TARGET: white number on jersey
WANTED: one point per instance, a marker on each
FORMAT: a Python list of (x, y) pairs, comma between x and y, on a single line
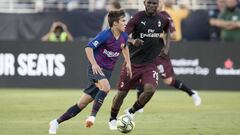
[(155, 75)]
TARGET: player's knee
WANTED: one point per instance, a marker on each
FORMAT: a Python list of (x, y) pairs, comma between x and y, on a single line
[(121, 94), (149, 88), (168, 81), (82, 105), (106, 87)]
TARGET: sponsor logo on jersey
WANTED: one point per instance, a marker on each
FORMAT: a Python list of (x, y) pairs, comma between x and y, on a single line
[(143, 22), (95, 43), (110, 53), (151, 34)]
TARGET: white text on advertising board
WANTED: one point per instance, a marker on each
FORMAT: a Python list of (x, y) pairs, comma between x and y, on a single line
[(32, 64), (189, 67)]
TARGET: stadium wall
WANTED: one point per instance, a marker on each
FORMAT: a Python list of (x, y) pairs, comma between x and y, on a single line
[(84, 24), (33, 64)]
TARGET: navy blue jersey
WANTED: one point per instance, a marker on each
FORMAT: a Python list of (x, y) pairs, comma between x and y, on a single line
[(107, 48)]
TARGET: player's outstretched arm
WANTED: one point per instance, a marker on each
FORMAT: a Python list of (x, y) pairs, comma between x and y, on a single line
[(166, 48)]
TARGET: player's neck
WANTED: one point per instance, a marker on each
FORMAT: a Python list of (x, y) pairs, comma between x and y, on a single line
[(116, 32), (153, 14)]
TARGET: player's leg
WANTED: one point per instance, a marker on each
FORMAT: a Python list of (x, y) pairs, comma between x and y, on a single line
[(140, 89), (70, 113), (143, 99), (171, 81), (116, 105), (166, 71), (124, 84), (104, 88), (75, 109), (150, 81)]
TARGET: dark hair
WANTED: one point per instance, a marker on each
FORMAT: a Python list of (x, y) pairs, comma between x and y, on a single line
[(114, 16)]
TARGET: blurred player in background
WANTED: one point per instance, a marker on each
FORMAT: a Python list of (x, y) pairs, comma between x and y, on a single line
[(145, 45), (177, 15), (102, 53), (165, 67)]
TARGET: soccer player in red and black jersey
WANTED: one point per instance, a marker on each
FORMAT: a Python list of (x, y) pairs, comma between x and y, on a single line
[(145, 45), (165, 68)]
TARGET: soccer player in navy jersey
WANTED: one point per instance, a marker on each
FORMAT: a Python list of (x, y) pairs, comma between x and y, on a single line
[(145, 45), (102, 53)]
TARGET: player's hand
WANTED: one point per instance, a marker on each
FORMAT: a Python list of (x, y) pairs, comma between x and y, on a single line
[(96, 69), (129, 69), (138, 42)]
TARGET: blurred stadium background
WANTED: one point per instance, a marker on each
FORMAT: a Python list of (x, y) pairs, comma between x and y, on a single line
[(39, 80)]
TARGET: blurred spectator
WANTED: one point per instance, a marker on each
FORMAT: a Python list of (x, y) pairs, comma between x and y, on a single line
[(113, 4), (73, 5), (96, 4), (58, 33), (229, 22), (61, 6), (214, 31), (177, 14)]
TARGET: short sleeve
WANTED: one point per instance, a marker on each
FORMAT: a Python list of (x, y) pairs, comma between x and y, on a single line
[(168, 25), (125, 36), (99, 39), (169, 18), (132, 23)]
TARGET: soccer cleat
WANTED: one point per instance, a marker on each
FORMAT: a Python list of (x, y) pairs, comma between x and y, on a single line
[(140, 110), (131, 115), (196, 98), (112, 124), (53, 125), (89, 121)]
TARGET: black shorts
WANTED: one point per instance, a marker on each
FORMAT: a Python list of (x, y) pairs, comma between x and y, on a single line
[(92, 90)]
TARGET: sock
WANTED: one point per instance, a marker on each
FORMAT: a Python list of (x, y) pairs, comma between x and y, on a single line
[(137, 105), (98, 102), (179, 85), (71, 112), (114, 113)]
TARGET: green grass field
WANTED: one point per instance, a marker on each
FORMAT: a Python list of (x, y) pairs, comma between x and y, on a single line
[(28, 112)]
